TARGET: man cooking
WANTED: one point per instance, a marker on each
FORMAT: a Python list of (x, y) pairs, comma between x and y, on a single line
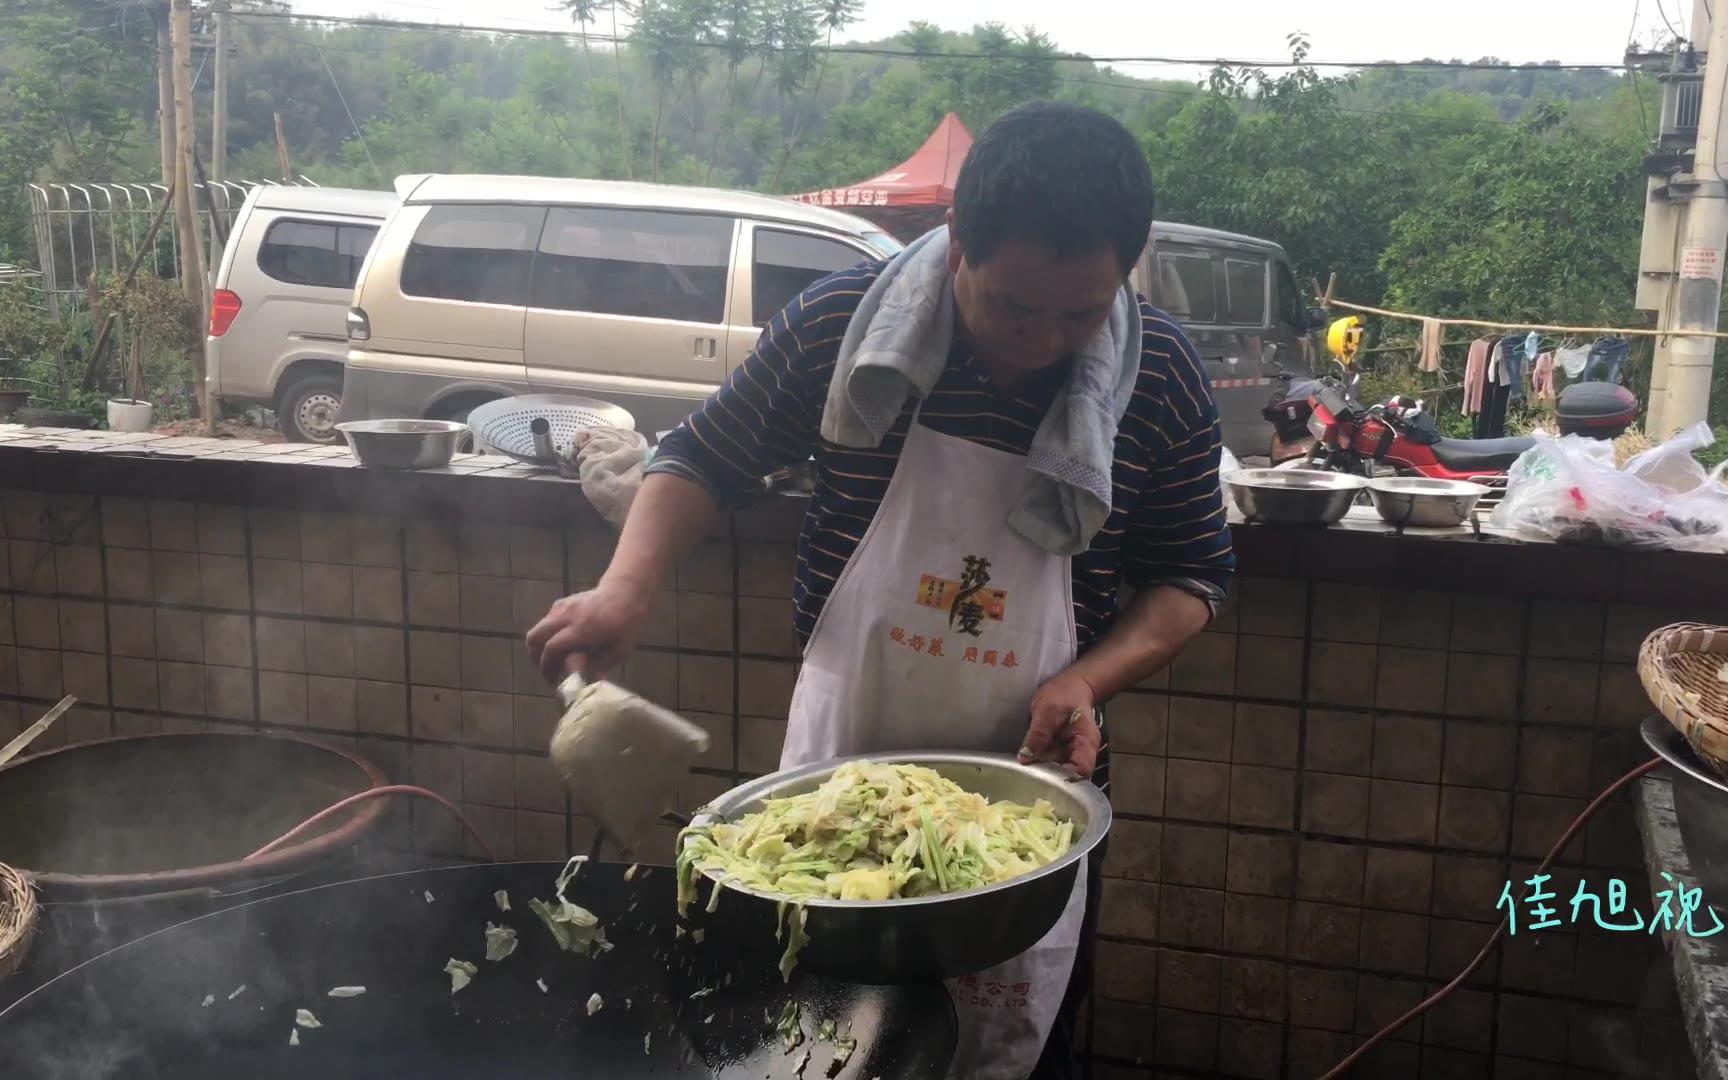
[(1003, 436)]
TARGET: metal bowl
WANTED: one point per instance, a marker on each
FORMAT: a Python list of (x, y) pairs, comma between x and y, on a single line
[(403, 444), (925, 937), (1293, 496), (1424, 502)]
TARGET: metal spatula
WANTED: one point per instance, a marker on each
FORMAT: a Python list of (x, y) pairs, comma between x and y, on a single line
[(622, 756)]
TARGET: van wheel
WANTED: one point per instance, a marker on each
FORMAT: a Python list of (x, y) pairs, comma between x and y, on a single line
[(307, 409)]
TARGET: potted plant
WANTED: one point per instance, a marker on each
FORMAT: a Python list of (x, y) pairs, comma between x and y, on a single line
[(132, 413), (25, 333)]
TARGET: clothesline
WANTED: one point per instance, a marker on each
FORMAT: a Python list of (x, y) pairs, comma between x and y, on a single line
[(1618, 331)]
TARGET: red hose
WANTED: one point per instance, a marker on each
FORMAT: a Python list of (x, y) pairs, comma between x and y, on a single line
[(373, 793), (1493, 939)]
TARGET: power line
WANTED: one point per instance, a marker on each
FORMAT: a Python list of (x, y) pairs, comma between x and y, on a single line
[(364, 22)]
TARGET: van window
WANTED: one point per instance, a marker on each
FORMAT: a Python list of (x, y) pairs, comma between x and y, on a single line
[(476, 253), (320, 253), (1288, 297), (1245, 292), (787, 262), (643, 263), (1185, 286)]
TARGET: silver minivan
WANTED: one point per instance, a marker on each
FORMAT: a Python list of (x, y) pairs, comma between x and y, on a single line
[(642, 295), (278, 334)]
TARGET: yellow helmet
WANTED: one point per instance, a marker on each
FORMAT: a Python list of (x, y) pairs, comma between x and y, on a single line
[(1344, 337)]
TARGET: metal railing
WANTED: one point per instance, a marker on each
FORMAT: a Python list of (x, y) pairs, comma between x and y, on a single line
[(83, 228)]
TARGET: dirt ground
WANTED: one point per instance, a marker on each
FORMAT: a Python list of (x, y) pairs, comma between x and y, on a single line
[(236, 428)]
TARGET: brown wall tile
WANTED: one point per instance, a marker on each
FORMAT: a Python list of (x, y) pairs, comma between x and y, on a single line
[(435, 712), (276, 586), (759, 742), (376, 540), (703, 681), (1200, 728), (1538, 821), (434, 658), (1262, 797), (125, 522), (221, 529), (1402, 812), (1186, 1040), (1397, 880), (378, 593), (536, 552), (1255, 925), (1140, 784), (1394, 941), (1335, 804), (174, 577), (1381, 999), (1325, 933), (1194, 855), (1250, 1049), (704, 621), (1260, 864), (326, 538), (328, 589), (1561, 692), (1566, 629), (1191, 917), (36, 622), (486, 663), (1410, 680), (487, 719), (1480, 754), (329, 648), (531, 600), (1266, 735), (488, 604), (173, 525), (281, 644), (431, 545), (228, 640), (275, 534), (1620, 699), (1129, 909), (765, 687), (483, 549), (1555, 762), (381, 707), (85, 676), (181, 688), (1329, 871), (380, 653), (1269, 667), (765, 569), (1415, 618), (331, 703), (1407, 748), (1322, 999), (1339, 742), (1474, 819), (134, 681), (1125, 1030), (1466, 886), (1188, 980), (1135, 850), (1342, 674), (1196, 790), (82, 624), (488, 778), (1348, 613), (130, 575), (434, 598), (538, 784), (1481, 686), (1127, 972), (1275, 606), (1139, 723), (1487, 624), (282, 699), (1532, 1027), (1206, 666), (1252, 988), (132, 630)]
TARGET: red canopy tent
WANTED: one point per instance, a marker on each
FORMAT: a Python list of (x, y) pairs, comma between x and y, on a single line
[(912, 197)]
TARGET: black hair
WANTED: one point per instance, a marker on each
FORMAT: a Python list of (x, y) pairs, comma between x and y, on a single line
[(1063, 177)]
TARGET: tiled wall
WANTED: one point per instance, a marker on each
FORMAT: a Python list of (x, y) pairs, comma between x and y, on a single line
[(1319, 805), (398, 636)]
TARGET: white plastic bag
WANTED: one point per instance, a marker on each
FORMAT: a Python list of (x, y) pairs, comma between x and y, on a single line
[(610, 464), (1569, 488), (1227, 462)]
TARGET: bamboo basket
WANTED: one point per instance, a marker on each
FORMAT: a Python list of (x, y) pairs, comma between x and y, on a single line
[(1684, 668), (17, 918)]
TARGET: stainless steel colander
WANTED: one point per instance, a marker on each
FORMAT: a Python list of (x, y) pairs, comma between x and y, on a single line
[(505, 426)]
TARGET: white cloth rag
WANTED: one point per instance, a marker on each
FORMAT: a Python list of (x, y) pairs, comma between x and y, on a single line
[(1573, 360), (898, 343), (610, 463)]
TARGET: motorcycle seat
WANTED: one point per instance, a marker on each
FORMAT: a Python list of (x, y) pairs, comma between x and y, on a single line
[(1480, 455)]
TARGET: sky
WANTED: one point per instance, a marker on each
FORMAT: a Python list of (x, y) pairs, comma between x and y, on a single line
[(1578, 31)]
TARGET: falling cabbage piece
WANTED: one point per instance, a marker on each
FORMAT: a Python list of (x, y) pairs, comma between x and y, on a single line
[(826, 1030), (209, 1000), (305, 1019), (461, 973), (595, 1003), (698, 935), (293, 1036), (803, 1063), (790, 1031), (502, 899), (1722, 673), (844, 1047), (541, 983), (630, 874), (874, 831), (345, 991), (428, 895), (796, 939), (647, 1039), (573, 927), (238, 990), (500, 942)]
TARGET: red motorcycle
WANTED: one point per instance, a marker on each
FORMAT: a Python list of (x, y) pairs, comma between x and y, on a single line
[(1401, 436)]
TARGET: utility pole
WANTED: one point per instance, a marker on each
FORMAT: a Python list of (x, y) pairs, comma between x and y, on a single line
[(164, 91), (185, 205), (219, 99), (1680, 377)]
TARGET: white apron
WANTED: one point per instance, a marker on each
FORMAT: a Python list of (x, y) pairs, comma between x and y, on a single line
[(914, 651)]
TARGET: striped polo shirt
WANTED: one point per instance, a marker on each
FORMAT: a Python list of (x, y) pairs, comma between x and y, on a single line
[(1166, 524)]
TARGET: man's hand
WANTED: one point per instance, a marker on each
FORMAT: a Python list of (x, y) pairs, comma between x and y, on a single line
[(1063, 728), (590, 632)]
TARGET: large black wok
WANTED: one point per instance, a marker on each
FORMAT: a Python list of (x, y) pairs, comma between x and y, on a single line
[(138, 1011)]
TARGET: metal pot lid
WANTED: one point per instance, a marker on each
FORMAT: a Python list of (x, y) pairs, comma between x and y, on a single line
[(1424, 485), (503, 424), (1296, 480)]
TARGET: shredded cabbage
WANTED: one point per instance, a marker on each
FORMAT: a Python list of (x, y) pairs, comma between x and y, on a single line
[(874, 831)]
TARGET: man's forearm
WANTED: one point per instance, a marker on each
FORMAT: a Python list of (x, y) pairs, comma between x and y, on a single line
[(669, 517), (1145, 637)]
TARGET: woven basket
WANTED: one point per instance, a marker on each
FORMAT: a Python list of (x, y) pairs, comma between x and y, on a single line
[(1683, 667), (17, 918)]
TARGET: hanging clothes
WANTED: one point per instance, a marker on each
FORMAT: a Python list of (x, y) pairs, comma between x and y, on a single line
[(1475, 376), (1428, 353), (1542, 379), (1514, 351), (1573, 360), (1532, 346), (1606, 357)]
